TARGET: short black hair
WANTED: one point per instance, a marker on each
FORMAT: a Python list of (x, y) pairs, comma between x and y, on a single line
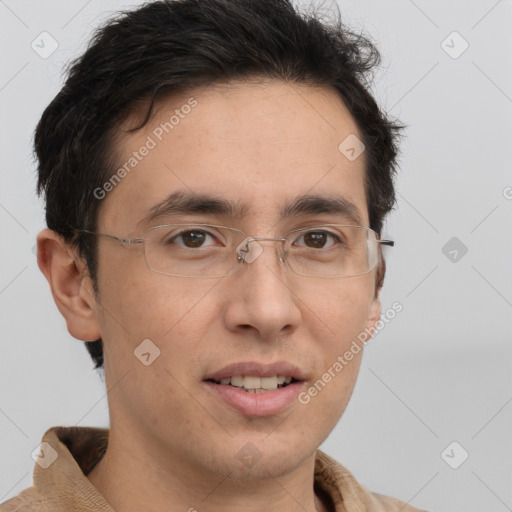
[(172, 46)]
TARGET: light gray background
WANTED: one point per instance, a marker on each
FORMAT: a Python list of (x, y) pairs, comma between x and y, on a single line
[(439, 372)]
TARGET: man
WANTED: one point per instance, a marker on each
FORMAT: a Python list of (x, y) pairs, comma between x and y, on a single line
[(216, 178)]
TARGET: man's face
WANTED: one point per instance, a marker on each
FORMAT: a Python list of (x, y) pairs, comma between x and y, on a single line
[(259, 145)]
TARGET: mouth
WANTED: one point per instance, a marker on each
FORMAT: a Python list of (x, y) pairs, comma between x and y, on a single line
[(254, 384), (256, 389)]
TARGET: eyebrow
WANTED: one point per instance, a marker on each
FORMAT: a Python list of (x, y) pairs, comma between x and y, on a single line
[(187, 203)]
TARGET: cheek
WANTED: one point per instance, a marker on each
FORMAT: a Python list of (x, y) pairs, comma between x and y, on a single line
[(164, 322), (144, 302), (330, 391), (170, 312), (339, 315), (340, 308)]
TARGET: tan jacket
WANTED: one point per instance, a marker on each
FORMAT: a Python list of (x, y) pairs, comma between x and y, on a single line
[(60, 484)]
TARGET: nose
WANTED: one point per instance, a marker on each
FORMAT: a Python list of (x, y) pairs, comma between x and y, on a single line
[(260, 297)]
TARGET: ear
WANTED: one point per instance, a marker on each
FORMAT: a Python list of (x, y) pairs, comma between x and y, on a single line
[(374, 311), (71, 287)]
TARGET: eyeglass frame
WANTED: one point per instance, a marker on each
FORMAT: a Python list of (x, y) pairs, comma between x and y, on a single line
[(247, 240)]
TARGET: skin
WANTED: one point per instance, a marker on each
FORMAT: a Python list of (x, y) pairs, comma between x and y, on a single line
[(173, 445)]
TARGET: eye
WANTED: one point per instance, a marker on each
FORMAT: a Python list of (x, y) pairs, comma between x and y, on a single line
[(318, 239), (190, 238)]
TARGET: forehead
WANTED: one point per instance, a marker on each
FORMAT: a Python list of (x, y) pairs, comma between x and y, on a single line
[(260, 145)]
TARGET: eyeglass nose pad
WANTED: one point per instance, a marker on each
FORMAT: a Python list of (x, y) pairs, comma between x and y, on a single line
[(248, 252)]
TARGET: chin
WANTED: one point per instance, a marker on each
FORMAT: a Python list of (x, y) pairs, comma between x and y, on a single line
[(260, 457), (264, 468)]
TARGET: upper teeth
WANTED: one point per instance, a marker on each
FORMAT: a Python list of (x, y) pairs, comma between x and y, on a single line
[(251, 382)]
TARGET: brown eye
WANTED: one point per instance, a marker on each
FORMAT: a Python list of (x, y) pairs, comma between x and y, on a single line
[(318, 239), (190, 239), (193, 238), (315, 239)]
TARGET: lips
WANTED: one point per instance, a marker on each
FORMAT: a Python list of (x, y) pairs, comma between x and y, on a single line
[(272, 388)]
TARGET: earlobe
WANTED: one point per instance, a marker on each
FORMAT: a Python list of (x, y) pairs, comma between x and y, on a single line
[(71, 288)]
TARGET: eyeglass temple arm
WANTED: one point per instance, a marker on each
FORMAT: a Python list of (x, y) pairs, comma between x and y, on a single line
[(390, 243), (122, 240)]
